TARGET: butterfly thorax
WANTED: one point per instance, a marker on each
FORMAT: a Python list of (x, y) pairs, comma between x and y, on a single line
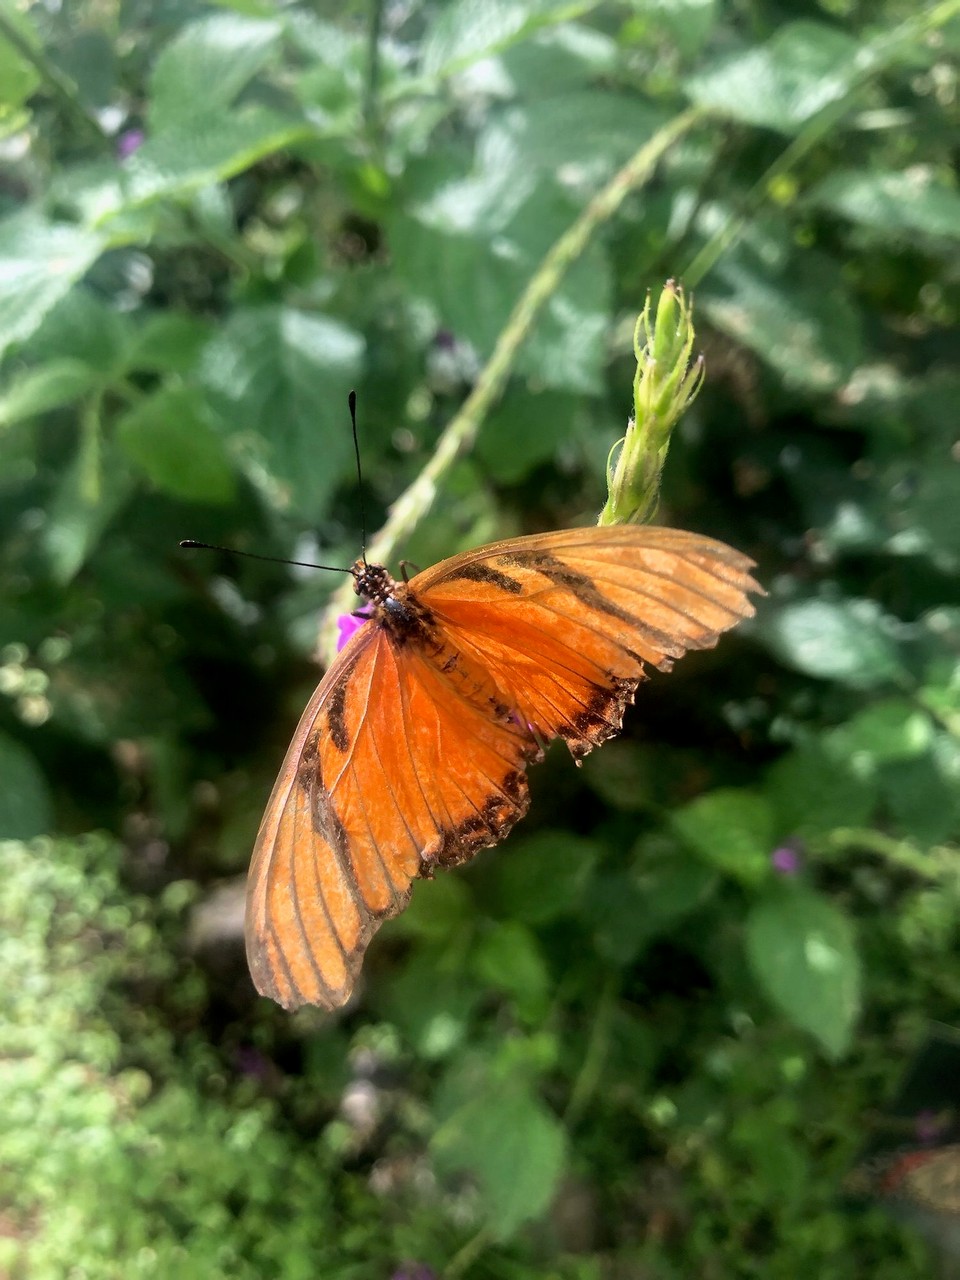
[(395, 606)]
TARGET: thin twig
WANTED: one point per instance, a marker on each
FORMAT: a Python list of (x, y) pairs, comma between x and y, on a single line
[(460, 434)]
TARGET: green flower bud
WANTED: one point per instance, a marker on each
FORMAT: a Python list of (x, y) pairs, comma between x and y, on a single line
[(665, 384)]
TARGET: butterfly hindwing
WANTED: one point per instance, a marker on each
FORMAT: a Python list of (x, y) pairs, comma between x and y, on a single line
[(397, 766)]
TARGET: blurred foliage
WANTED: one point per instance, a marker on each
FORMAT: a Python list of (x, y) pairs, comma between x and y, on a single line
[(647, 1036)]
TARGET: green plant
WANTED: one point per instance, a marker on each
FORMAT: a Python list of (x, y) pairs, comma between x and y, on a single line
[(648, 1033)]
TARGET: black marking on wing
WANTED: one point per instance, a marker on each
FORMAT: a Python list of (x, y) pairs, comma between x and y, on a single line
[(481, 571), (336, 717)]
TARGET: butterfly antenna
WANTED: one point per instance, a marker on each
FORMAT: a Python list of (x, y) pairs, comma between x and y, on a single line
[(352, 402), (189, 544)]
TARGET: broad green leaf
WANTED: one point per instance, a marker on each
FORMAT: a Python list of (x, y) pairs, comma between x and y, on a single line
[(26, 806), (813, 792), (805, 67), (560, 60), (846, 640), (581, 136), (39, 262), (525, 429), (687, 24), (515, 1148), (802, 952), (187, 155), (205, 66), (89, 494), (18, 77), (168, 342), (544, 876), (49, 386), (799, 320), (168, 437), (509, 959), (280, 379), (893, 202), (466, 31), (923, 794), (84, 327), (439, 909), (888, 731), (629, 910), (448, 255), (732, 829)]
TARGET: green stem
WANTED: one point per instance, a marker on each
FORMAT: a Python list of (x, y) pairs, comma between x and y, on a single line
[(875, 58), (461, 432), (371, 88), (591, 1072), (938, 864), (467, 1256), (59, 85)]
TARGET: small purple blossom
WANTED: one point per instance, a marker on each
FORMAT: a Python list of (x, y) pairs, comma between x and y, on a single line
[(786, 861), (348, 624), (928, 1126), (129, 141), (414, 1271), (251, 1062)]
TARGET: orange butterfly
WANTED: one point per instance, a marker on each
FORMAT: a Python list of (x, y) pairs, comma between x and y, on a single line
[(412, 752)]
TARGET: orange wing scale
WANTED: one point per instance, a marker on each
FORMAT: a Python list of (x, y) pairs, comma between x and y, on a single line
[(412, 751)]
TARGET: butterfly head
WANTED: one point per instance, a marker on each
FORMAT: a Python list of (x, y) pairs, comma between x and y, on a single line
[(373, 581)]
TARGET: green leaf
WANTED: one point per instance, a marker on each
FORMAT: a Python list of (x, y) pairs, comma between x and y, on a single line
[(525, 429), (785, 82), (509, 959), (845, 640), (89, 494), (168, 342), (802, 952), (205, 66), (39, 263), (280, 378), (36, 391), (515, 1148), (923, 795), (799, 319), (893, 202), (582, 136), (892, 730), (732, 829), (543, 876), (813, 792), (18, 77), (84, 327), (168, 436), (629, 910), (468, 30), (450, 256), (26, 806)]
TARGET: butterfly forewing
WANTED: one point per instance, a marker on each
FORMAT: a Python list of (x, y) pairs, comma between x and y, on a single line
[(566, 621), (412, 752)]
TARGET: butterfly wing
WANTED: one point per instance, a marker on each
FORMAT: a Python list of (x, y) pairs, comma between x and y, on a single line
[(564, 622), (396, 766)]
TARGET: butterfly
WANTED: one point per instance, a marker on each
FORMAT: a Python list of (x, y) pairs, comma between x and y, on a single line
[(412, 753)]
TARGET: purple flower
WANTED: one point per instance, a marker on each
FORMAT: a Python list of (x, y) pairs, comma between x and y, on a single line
[(348, 624), (251, 1062), (414, 1271), (928, 1126), (129, 141), (786, 861)]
